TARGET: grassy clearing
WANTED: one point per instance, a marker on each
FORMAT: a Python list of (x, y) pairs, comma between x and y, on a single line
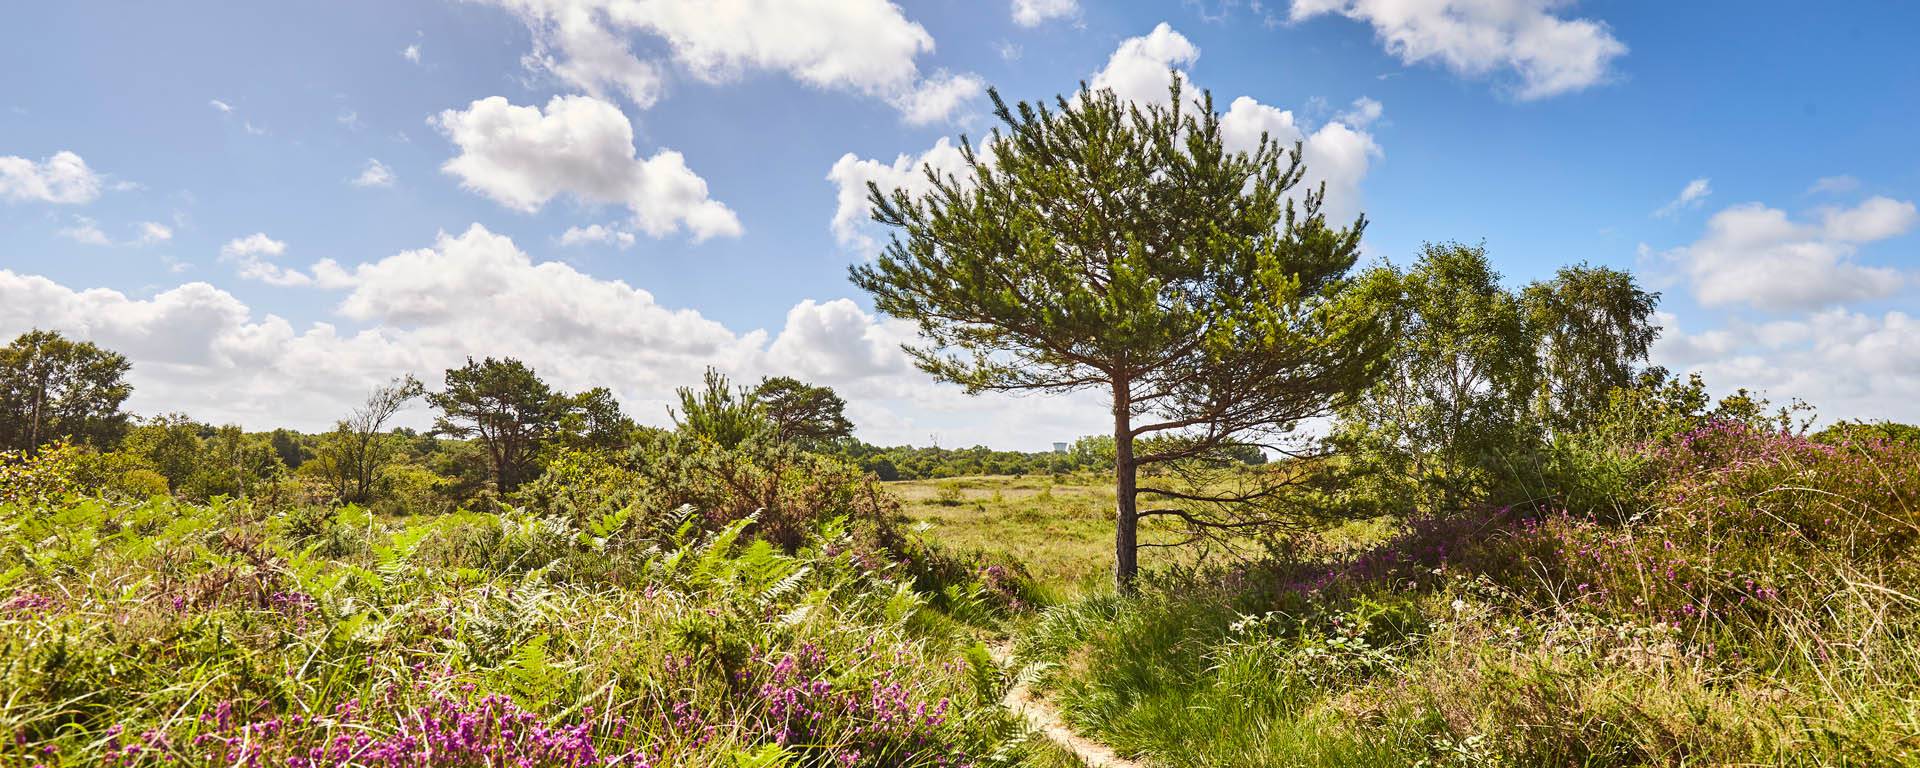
[(1060, 527)]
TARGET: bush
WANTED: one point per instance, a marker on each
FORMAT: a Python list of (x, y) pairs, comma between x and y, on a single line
[(410, 489), (787, 492), (42, 478), (139, 483)]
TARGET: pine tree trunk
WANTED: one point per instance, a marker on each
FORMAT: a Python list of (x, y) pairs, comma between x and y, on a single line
[(1126, 543)]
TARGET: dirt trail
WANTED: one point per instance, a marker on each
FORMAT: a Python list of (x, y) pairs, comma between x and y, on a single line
[(1042, 717)]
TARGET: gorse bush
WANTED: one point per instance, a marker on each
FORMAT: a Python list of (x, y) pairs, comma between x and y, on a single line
[(169, 633), (1751, 599), (787, 491)]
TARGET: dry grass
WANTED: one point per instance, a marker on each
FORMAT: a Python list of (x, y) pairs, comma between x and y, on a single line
[(1060, 527)]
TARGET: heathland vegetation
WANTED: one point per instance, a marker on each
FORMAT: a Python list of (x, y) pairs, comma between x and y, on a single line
[(1384, 514)]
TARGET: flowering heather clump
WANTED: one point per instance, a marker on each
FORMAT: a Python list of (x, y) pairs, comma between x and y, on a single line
[(1774, 490), (446, 732), (881, 724), (1740, 514), (26, 602)]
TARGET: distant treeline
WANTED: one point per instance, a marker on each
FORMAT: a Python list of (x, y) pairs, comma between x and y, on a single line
[(498, 427), (906, 462)]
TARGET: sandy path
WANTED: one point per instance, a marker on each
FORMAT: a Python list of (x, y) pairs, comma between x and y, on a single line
[(1042, 717)]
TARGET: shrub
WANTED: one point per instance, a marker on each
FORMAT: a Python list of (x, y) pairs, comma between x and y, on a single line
[(139, 483), (786, 491), (41, 478)]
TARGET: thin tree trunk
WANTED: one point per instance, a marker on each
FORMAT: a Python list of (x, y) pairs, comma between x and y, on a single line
[(33, 422), (39, 404), (1126, 524)]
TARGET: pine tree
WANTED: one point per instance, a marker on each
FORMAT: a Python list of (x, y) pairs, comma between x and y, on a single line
[(1105, 245)]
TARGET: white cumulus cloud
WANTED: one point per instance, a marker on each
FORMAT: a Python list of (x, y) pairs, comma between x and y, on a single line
[(199, 349), (862, 46), (253, 255), (1878, 218), (837, 341), (1691, 196), (1549, 54), (1760, 256), (1848, 365), (852, 222), (523, 156), (1337, 153), (154, 232), (938, 97), (256, 244), (63, 178), (596, 233), (1138, 69), (85, 232)]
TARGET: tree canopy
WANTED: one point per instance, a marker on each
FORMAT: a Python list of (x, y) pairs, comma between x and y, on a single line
[(801, 412), (1481, 374), (1592, 328), (54, 388), (354, 452), (717, 413), (1125, 248), (511, 411)]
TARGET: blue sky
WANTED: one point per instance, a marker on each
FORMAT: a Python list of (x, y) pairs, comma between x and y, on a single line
[(195, 184)]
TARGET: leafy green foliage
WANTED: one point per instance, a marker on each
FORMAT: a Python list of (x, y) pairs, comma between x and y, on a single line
[(176, 633), (1756, 609), (1846, 432), (1592, 328), (53, 388), (1489, 389), (514, 415), (803, 413), (504, 405), (718, 414), (352, 456), (1109, 246), (1459, 382), (787, 491)]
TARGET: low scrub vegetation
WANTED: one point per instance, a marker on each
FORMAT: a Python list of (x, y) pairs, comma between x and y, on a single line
[(1750, 600), (167, 632)]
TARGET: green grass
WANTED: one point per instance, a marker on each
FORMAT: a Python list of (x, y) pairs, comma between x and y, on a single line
[(1059, 527), (1760, 611), (1727, 625), (1062, 530)]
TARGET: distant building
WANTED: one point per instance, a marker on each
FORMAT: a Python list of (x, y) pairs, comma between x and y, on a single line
[(1059, 447)]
